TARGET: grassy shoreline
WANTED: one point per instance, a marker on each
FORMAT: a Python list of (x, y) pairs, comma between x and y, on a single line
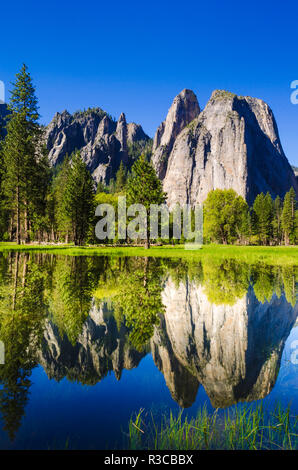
[(268, 254), (245, 427)]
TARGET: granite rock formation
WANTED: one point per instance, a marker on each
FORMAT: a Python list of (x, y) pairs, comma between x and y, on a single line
[(102, 141), (234, 351), (184, 109), (101, 347), (232, 143)]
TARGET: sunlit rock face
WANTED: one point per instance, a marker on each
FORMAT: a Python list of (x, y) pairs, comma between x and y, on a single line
[(234, 351), (101, 141), (232, 143), (183, 110), (100, 348)]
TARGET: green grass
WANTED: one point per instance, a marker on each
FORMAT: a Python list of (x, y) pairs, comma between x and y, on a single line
[(274, 255), (244, 427)]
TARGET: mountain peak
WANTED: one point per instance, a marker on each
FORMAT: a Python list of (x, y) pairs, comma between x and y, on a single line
[(184, 109)]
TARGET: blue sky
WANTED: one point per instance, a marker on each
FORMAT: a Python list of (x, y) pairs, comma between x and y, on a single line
[(135, 56)]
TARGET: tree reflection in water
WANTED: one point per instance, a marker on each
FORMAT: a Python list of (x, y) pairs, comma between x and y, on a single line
[(219, 324)]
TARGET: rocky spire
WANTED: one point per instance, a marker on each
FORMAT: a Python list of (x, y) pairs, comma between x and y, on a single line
[(101, 141), (121, 131), (233, 143), (183, 110)]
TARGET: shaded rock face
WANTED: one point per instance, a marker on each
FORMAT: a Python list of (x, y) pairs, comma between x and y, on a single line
[(101, 141), (232, 143), (233, 351), (295, 169), (184, 109), (3, 114), (100, 348), (182, 384)]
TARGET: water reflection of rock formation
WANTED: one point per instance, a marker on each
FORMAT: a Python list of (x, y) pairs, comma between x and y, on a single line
[(233, 351), (101, 347)]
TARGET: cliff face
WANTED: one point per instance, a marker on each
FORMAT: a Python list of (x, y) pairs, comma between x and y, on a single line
[(232, 143), (100, 348), (233, 351), (295, 169), (102, 142), (184, 109), (3, 114)]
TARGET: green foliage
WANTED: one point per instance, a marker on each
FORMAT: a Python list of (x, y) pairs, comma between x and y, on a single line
[(121, 178), (92, 111), (25, 169), (223, 94), (246, 427), (264, 213), (78, 199), (225, 216), (141, 147), (142, 304), (144, 188), (71, 295), (59, 221), (35, 287), (288, 217), (101, 188), (22, 312), (277, 227), (289, 283), (263, 282), (226, 282)]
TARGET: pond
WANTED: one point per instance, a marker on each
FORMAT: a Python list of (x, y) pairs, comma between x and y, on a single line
[(89, 341)]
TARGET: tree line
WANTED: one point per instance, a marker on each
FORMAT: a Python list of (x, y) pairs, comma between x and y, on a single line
[(228, 219), (39, 203)]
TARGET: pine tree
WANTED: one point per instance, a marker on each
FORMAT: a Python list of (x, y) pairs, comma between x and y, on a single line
[(58, 220), (144, 187), (112, 186), (78, 200), (277, 230), (121, 177), (21, 155), (4, 213), (101, 188), (263, 217), (288, 217)]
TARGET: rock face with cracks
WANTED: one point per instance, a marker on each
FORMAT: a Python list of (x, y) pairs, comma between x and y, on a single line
[(232, 143), (102, 142), (233, 351)]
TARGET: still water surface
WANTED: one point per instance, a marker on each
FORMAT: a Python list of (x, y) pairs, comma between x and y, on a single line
[(91, 340)]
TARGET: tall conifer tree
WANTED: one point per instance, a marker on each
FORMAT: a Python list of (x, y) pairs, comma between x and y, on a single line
[(21, 155), (144, 187), (288, 217), (78, 199)]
